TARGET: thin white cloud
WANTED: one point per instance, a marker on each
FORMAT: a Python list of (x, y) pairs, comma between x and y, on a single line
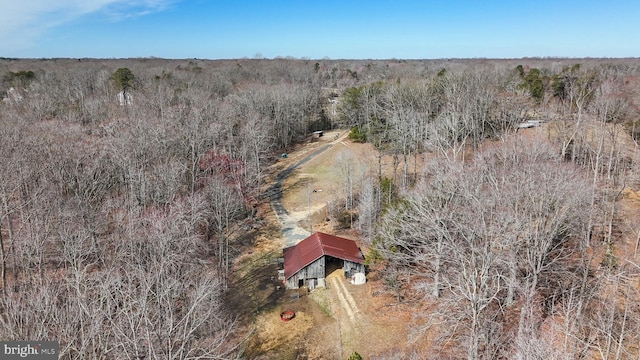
[(23, 21), (121, 10)]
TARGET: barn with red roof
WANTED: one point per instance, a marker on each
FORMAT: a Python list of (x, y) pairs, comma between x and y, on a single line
[(305, 264)]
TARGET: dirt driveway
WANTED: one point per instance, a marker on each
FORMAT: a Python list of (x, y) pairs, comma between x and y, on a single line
[(292, 231)]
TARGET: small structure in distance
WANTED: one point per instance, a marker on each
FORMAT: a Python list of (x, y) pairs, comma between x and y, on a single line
[(529, 124)]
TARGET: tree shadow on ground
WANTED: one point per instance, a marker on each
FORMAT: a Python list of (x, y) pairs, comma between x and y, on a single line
[(255, 288)]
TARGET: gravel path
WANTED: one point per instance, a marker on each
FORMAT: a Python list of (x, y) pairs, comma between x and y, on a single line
[(291, 231)]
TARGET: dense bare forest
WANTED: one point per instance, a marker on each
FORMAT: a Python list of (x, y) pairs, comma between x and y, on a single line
[(128, 187)]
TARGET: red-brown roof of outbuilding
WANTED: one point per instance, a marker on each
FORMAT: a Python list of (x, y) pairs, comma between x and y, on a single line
[(316, 245)]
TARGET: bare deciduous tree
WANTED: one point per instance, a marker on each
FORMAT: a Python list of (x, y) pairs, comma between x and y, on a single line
[(486, 227)]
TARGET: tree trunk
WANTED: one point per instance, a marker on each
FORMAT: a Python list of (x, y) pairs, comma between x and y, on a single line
[(435, 292), (4, 261)]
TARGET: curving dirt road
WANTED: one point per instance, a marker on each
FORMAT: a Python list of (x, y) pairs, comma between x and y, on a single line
[(291, 231)]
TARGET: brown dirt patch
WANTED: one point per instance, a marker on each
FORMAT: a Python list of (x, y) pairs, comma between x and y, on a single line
[(275, 339), (321, 328)]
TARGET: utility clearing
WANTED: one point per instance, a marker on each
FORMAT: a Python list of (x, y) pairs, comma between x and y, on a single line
[(342, 318)]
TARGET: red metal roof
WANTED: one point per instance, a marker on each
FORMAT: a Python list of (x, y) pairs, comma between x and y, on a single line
[(317, 245)]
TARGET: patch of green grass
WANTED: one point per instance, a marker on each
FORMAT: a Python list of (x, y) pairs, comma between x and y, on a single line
[(319, 296), (318, 170)]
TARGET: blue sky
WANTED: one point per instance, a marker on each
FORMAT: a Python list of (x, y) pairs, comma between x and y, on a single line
[(347, 29)]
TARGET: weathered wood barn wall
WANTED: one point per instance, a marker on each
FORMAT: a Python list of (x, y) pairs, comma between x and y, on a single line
[(306, 263), (314, 274)]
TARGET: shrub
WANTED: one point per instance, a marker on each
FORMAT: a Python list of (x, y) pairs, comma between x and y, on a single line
[(356, 135)]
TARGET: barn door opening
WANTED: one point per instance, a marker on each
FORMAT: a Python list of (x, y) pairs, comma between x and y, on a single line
[(333, 264), (300, 283)]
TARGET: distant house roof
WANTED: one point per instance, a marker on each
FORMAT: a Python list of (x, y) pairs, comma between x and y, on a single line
[(316, 245), (530, 124)]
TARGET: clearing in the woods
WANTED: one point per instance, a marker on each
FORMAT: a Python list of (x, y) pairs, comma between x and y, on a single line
[(332, 322)]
